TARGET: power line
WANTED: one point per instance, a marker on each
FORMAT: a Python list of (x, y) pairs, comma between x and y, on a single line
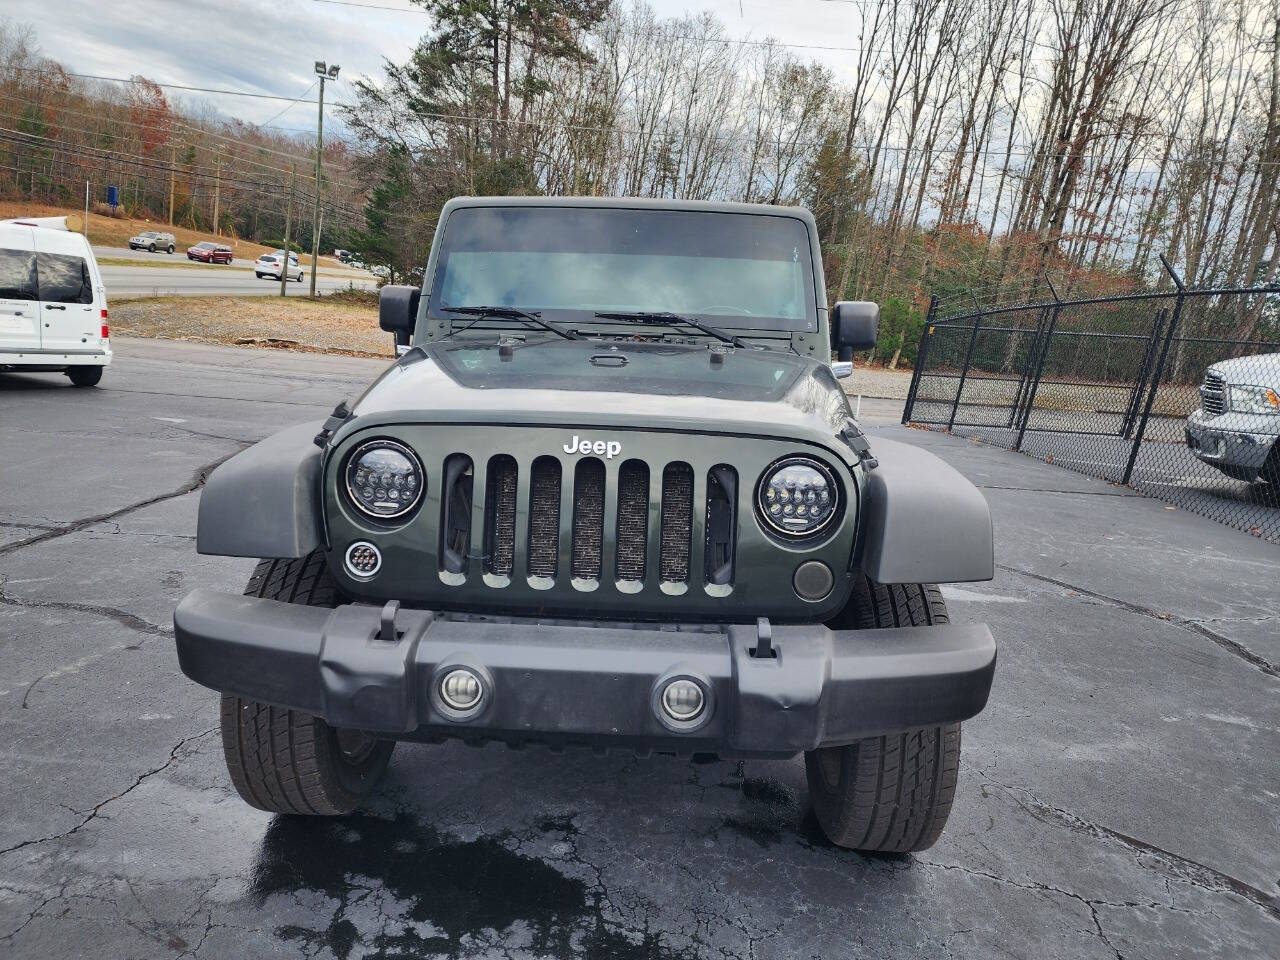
[(173, 86), (294, 103)]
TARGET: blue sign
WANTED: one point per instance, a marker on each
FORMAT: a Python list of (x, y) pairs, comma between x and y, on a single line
[(113, 196)]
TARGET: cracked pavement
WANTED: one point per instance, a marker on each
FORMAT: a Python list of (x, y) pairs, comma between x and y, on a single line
[(1120, 796)]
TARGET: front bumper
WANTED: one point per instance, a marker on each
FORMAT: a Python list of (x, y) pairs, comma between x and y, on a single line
[(1239, 441), (564, 683)]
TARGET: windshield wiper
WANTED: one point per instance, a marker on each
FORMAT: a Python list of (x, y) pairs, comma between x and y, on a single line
[(511, 313), (664, 316)]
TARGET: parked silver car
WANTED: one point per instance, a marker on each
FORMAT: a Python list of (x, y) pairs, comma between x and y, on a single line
[(268, 265), (1238, 422), (153, 240)]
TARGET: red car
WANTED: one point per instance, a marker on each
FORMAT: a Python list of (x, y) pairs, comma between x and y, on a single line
[(209, 253)]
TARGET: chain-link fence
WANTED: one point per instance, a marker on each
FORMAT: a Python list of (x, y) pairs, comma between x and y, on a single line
[(1176, 394)]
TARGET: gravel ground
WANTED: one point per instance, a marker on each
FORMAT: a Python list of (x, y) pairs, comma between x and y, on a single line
[(328, 325), (878, 382)]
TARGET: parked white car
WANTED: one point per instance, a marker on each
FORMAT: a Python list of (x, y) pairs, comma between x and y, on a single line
[(268, 265), (153, 240), (53, 305)]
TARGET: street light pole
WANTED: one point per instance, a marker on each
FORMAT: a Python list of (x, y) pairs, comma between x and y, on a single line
[(325, 73)]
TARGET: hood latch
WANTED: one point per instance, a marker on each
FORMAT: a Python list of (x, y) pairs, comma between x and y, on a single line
[(857, 441), (341, 414)]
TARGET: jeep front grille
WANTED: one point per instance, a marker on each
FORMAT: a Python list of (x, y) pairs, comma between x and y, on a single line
[(607, 540), (500, 517), (677, 522), (544, 517), (633, 520), (588, 519)]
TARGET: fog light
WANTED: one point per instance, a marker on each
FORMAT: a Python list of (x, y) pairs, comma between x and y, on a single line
[(461, 689), (682, 700), (363, 560)]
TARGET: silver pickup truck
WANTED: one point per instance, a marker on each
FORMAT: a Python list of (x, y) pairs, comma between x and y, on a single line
[(1238, 422)]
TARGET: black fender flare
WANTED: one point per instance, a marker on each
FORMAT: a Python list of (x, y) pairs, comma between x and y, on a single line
[(265, 501), (923, 521)]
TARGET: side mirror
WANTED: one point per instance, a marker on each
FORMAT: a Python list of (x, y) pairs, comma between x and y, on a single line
[(854, 325), (398, 311)]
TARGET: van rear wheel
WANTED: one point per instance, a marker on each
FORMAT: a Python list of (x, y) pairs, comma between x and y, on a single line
[(84, 376)]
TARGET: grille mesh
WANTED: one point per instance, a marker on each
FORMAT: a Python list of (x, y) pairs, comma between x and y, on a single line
[(588, 519), (677, 522), (633, 520), (544, 517), (500, 516)]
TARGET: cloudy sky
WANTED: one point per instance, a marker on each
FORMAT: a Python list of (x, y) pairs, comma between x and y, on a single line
[(269, 47)]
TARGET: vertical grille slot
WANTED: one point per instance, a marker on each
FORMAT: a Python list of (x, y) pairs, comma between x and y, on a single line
[(544, 517), (500, 516), (455, 513), (722, 522), (677, 522), (588, 519), (633, 520)]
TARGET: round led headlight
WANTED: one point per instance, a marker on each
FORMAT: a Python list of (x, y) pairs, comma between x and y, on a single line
[(797, 497), (384, 479)]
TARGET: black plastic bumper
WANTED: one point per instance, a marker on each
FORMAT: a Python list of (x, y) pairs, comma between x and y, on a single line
[(586, 684)]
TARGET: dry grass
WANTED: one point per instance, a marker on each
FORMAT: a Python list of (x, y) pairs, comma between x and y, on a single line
[(112, 232), (325, 325)]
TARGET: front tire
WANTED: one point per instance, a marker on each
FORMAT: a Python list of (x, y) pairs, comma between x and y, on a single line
[(889, 794), (152, 248), (286, 761), (84, 376)]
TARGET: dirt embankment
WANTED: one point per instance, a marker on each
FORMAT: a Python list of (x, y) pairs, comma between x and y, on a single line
[(340, 323)]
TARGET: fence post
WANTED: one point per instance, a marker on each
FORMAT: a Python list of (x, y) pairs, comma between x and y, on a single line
[(1148, 355), (1043, 355), (1158, 372), (1033, 349), (964, 372), (921, 353)]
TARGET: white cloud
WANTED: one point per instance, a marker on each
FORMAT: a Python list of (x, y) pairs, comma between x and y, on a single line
[(269, 46)]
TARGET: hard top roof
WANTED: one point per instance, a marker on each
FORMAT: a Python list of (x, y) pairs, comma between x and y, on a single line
[(632, 203)]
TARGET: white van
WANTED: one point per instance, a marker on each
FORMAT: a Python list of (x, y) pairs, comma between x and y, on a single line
[(53, 305)]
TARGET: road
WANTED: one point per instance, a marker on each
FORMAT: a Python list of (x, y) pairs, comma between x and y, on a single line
[(1118, 797), (158, 274)]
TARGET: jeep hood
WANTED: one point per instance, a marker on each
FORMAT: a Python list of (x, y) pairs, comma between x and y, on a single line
[(690, 387)]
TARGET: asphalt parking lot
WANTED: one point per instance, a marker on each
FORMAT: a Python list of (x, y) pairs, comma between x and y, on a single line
[(1120, 796)]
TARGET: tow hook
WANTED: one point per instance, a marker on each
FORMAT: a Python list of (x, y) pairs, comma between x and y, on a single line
[(763, 650)]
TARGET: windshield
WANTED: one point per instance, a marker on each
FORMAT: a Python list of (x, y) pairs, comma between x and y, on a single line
[(751, 271)]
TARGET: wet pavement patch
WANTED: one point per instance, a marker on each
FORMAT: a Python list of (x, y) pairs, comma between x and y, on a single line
[(437, 896)]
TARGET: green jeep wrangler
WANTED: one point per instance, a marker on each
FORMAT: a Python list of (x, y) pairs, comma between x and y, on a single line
[(610, 495)]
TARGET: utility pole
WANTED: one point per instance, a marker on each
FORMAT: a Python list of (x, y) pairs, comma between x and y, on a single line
[(288, 225), (173, 166), (86, 209), (324, 73), (217, 195)]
